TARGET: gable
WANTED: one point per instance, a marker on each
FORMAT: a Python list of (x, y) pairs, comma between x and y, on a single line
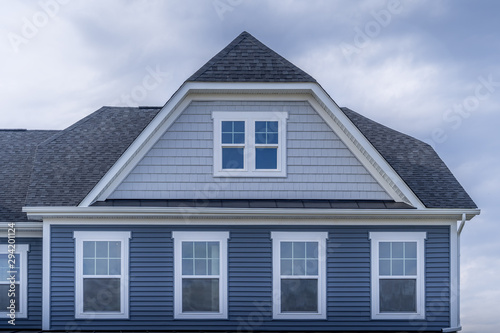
[(180, 164)]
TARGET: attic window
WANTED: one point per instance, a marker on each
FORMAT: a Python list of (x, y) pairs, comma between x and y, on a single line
[(250, 144)]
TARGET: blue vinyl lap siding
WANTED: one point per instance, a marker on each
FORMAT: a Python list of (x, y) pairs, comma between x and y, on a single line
[(250, 280), (34, 319)]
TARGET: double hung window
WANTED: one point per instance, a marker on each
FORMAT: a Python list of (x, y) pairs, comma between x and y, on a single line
[(250, 144), (398, 275), (14, 279), (101, 274), (299, 269), (200, 274)]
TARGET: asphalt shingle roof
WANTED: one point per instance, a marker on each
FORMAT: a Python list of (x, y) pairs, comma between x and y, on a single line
[(246, 59), (65, 166), (17, 151), (416, 163), (71, 163)]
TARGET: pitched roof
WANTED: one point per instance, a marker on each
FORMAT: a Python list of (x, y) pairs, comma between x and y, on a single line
[(70, 164), (416, 163), (246, 59), (17, 151)]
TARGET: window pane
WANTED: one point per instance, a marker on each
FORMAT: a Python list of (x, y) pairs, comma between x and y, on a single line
[(312, 267), (239, 126), (187, 267), (286, 266), (200, 250), (4, 266), (101, 249), (398, 295), (187, 250), (260, 127), (88, 266), (299, 249), (385, 250), (411, 250), (227, 127), (411, 267), (89, 249), (115, 249), (114, 266), (384, 267), (232, 158), (5, 299), (311, 250), (200, 295), (101, 294), (299, 267), (397, 250), (213, 267), (101, 267), (397, 267), (200, 266), (299, 295), (213, 250), (286, 249), (266, 158), (227, 137)]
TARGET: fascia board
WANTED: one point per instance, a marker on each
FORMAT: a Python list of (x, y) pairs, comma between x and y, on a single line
[(200, 90), (153, 212)]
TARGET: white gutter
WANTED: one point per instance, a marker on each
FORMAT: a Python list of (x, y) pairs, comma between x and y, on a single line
[(462, 224), (158, 212), (22, 229)]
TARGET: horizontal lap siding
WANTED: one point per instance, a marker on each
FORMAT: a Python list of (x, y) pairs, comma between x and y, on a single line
[(319, 165), (250, 281), (34, 320)]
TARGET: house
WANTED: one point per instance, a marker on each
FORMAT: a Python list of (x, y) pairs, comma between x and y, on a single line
[(249, 202)]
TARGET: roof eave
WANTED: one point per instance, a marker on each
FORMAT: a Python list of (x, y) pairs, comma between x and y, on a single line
[(182, 212)]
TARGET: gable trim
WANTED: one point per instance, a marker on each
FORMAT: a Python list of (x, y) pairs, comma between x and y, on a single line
[(321, 102)]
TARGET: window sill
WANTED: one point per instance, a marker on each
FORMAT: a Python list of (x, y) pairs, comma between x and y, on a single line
[(246, 174), (398, 316), (299, 316)]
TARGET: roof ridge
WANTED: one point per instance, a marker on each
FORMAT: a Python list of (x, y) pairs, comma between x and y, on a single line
[(260, 63)]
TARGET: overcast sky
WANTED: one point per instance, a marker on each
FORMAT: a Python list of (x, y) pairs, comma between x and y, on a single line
[(430, 69)]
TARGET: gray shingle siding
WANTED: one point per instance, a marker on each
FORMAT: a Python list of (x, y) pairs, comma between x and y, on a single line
[(250, 280), (319, 165)]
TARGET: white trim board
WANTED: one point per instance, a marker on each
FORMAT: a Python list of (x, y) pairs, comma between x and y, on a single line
[(315, 95), (189, 213)]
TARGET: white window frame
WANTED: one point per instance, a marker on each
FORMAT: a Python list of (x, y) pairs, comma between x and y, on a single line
[(200, 236), (250, 118), (419, 238), (293, 236), (92, 236), (21, 278)]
